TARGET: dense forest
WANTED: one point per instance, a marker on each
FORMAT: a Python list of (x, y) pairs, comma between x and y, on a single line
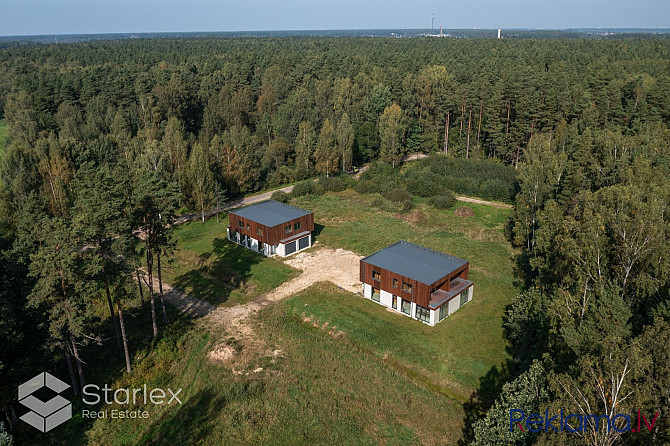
[(111, 136)]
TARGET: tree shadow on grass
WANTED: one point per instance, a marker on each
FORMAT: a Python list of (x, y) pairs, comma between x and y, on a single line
[(317, 230), (481, 400), (224, 269)]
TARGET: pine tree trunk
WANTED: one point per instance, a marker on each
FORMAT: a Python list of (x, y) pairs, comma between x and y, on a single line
[(139, 283), (467, 146), (77, 360), (117, 336), (446, 136), (123, 335), (70, 368), (150, 283), (479, 127), (160, 286)]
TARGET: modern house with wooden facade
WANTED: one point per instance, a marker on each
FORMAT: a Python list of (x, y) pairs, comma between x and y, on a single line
[(415, 281), (271, 228)]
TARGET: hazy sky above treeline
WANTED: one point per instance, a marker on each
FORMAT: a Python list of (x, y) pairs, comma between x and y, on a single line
[(28, 17)]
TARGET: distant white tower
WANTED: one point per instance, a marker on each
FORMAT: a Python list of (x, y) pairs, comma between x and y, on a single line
[(432, 22), (499, 33), (441, 35)]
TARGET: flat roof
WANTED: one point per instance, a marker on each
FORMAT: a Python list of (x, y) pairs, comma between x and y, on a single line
[(415, 262), (270, 213)]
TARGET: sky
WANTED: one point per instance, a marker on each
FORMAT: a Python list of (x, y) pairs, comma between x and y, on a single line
[(30, 17)]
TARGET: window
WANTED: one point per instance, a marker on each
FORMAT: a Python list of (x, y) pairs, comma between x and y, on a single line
[(296, 226), (261, 246), (444, 311), (376, 276), (464, 298), (240, 224), (405, 306), (248, 227), (259, 231), (376, 296), (394, 302), (407, 287), (287, 229), (395, 283), (422, 314)]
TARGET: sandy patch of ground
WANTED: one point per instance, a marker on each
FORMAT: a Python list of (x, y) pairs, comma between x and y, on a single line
[(488, 203)]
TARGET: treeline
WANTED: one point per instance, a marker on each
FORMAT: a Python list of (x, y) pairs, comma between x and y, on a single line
[(590, 334)]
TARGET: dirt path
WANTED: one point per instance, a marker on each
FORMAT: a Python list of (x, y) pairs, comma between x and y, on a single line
[(338, 266), (341, 268), (487, 203), (184, 302)]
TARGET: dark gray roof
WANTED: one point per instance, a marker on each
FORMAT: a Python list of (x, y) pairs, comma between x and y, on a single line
[(270, 213), (415, 262)]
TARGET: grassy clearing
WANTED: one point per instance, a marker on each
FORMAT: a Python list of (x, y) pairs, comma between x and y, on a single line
[(456, 353), (3, 137), (348, 371), (207, 266), (319, 390)]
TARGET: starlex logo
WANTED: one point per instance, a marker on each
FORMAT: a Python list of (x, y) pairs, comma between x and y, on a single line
[(578, 423), (44, 415)]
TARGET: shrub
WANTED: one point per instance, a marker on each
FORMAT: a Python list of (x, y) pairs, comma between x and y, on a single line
[(398, 195), (443, 201), (304, 188), (407, 205), (281, 196), (334, 184)]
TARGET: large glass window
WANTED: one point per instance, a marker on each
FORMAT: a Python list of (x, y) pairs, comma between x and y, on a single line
[(444, 311), (395, 283), (422, 313), (240, 224), (376, 295), (376, 275), (394, 302), (405, 306), (259, 231), (296, 226), (287, 229), (464, 298), (261, 246), (407, 287), (248, 227)]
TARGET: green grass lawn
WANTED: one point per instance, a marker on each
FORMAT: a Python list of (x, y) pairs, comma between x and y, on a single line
[(456, 353), (207, 266), (320, 389), (3, 137), (345, 370)]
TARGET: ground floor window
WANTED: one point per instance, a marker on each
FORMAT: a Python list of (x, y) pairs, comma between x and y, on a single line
[(422, 313), (394, 302), (405, 306), (376, 295), (444, 311), (261, 246), (464, 298)]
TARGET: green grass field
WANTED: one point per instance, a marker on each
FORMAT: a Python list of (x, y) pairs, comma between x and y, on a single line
[(209, 267), (326, 366), (3, 137)]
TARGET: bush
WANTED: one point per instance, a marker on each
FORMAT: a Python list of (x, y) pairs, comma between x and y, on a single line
[(443, 201), (280, 196), (397, 195), (306, 188), (407, 205), (335, 184)]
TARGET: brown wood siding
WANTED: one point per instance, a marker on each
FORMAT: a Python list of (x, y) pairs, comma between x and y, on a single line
[(271, 235), (420, 291)]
